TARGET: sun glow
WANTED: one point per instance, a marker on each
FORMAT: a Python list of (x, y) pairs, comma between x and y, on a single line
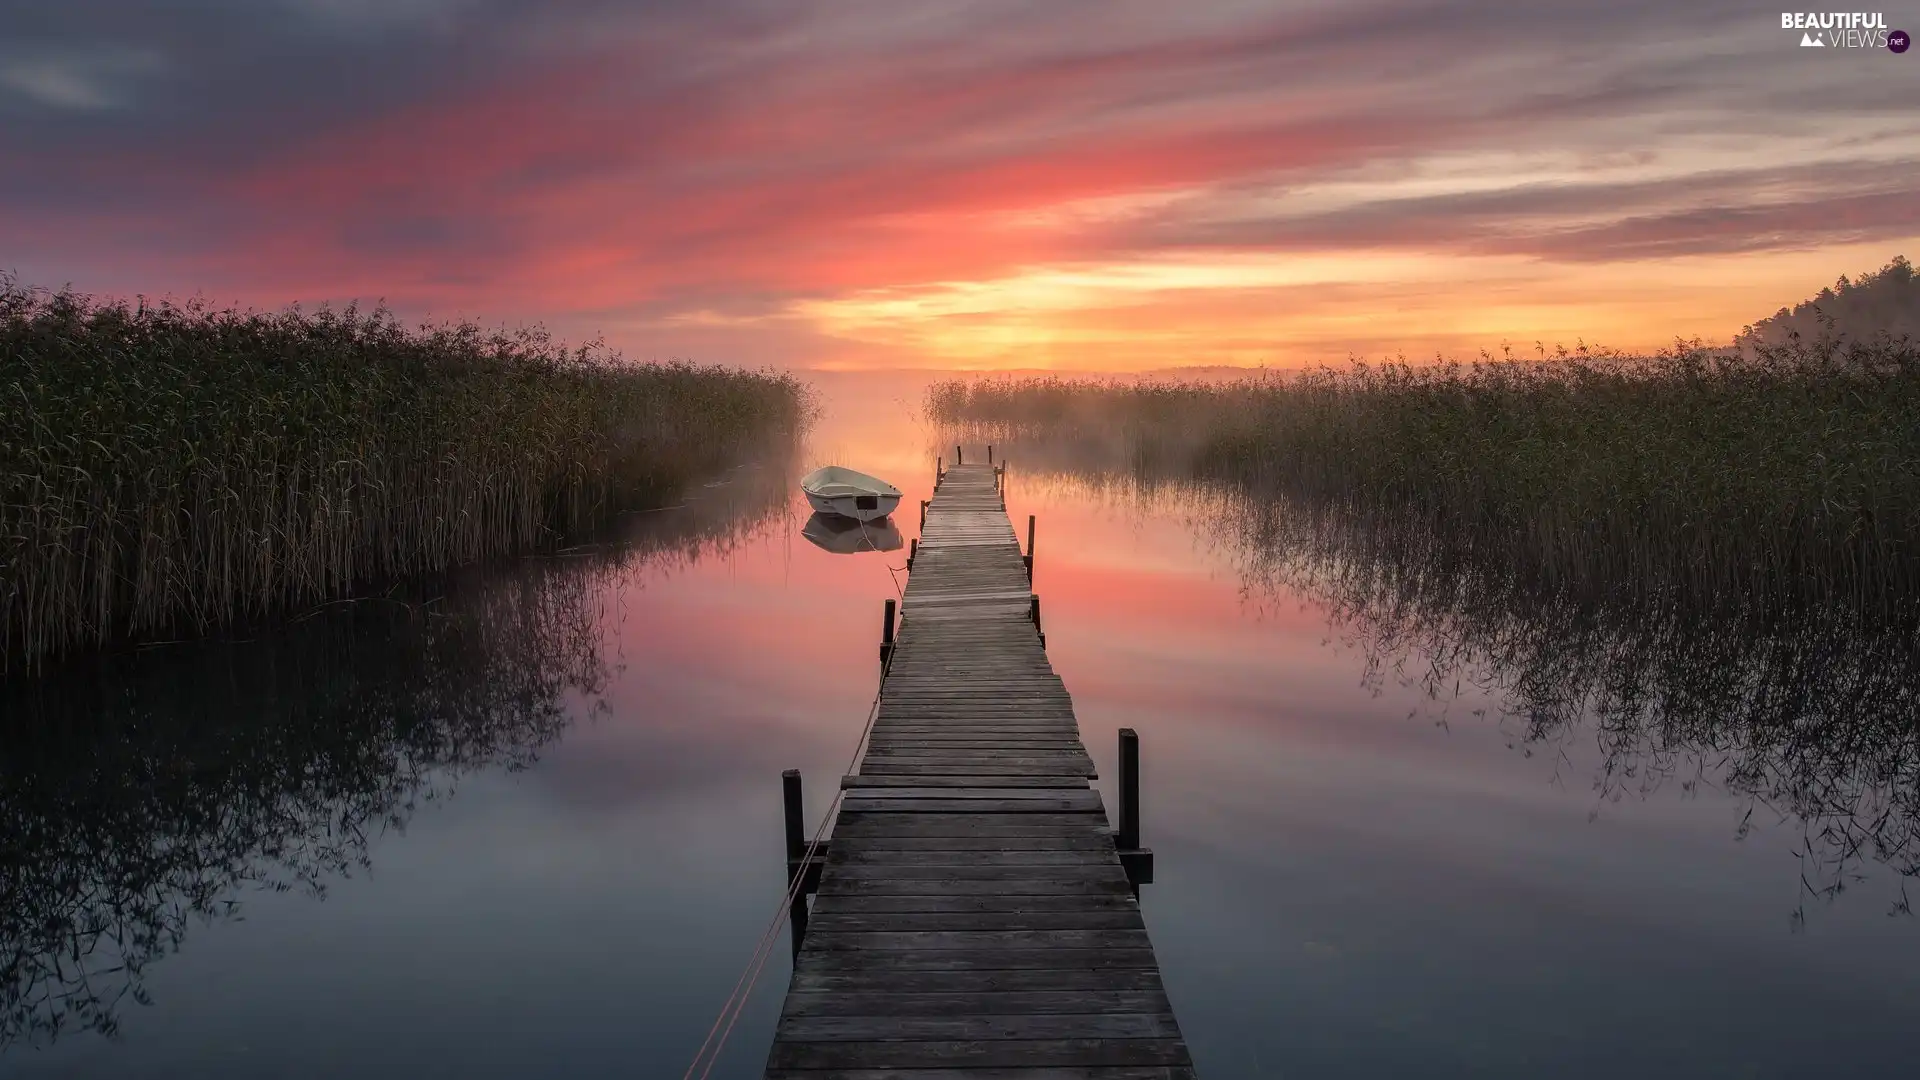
[(1286, 310)]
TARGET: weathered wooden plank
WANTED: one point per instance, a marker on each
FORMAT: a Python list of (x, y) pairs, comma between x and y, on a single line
[(841, 922), (952, 725), (957, 762), (1048, 840), (1083, 797), (990, 1053), (1014, 746), (1016, 1073), (965, 783), (1088, 856), (991, 864), (932, 765), (1065, 762), (855, 822), (917, 941), (994, 903), (898, 681), (1004, 1003), (834, 962), (934, 805), (911, 1028), (961, 885), (893, 981)]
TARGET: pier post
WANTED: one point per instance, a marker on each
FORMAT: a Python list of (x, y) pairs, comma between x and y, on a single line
[(796, 856), (989, 453), (1129, 839), (939, 471), (913, 548), (1136, 860), (1028, 558), (886, 638), (796, 816), (957, 459), (1033, 612), (923, 514)]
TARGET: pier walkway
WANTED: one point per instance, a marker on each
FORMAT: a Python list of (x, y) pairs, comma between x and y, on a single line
[(974, 918)]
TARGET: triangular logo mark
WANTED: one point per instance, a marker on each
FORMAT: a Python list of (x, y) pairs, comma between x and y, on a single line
[(1808, 41)]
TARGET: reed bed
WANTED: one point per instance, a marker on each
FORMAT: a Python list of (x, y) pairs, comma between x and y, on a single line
[(166, 469), (1771, 481), (145, 794)]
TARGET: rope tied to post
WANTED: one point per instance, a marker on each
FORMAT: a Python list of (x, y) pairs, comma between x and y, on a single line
[(736, 1002)]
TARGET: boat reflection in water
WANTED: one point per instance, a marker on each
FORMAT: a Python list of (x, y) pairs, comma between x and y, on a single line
[(846, 536)]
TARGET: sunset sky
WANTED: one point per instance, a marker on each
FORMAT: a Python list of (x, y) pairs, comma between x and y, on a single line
[(1095, 185)]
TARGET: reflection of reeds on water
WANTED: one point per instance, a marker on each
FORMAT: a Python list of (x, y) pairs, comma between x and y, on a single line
[(1808, 711), (142, 793), (1689, 652)]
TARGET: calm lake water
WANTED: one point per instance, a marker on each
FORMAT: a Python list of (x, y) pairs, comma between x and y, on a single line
[(534, 828)]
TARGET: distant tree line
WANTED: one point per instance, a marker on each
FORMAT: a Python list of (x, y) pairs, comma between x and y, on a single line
[(1885, 301)]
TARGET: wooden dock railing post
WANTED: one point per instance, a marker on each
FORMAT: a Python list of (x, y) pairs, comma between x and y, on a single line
[(796, 815), (957, 459), (886, 638), (923, 514), (1129, 789), (1028, 558), (796, 856), (913, 548), (1033, 612), (989, 453), (1136, 860)]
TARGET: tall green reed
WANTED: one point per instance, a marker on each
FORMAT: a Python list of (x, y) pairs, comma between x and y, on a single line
[(1782, 478), (168, 468)]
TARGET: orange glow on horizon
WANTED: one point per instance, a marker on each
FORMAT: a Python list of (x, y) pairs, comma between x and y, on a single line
[(847, 188)]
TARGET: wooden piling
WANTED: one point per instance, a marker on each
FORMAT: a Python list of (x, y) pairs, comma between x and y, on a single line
[(913, 548), (886, 637), (989, 453), (957, 459), (796, 815), (797, 867), (1028, 557), (1129, 838), (923, 514)]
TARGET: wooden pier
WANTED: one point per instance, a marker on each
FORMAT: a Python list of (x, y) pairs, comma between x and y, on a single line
[(975, 918)]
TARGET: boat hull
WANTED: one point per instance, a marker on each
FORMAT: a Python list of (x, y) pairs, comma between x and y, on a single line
[(857, 507)]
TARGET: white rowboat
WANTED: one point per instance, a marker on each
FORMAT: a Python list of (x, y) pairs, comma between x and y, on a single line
[(836, 490)]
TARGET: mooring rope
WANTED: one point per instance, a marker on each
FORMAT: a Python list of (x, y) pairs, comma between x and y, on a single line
[(868, 537), (743, 987), (736, 1002)]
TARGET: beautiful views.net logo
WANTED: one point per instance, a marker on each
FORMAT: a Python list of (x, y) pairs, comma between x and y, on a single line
[(1845, 30)]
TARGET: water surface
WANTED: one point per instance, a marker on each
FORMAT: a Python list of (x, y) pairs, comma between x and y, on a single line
[(533, 828)]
